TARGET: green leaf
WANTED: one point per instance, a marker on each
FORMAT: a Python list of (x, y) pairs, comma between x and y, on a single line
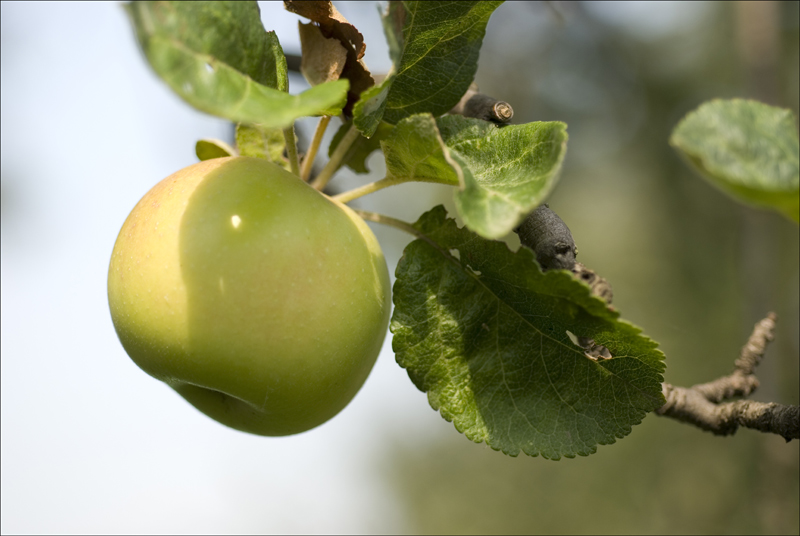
[(219, 59), (484, 333), (359, 151), (747, 149), (258, 142), (435, 48), (414, 151), (507, 171), (503, 173), (209, 149)]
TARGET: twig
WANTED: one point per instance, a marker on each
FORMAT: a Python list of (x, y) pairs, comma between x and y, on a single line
[(476, 104), (701, 405)]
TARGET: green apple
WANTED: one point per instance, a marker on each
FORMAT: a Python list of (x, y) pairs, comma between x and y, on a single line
[(258, 299)]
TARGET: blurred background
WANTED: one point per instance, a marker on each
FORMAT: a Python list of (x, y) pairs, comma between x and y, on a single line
[(90, 444)]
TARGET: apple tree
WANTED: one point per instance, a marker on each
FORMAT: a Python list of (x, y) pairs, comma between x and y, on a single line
[(263, 300)]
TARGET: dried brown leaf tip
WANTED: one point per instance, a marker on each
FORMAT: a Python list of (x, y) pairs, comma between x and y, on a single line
[(599, 285), (333, 25), (323, 58)]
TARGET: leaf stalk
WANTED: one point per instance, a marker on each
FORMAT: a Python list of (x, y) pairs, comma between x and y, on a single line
[(355, 193), (336, 158), (291, 149), (308, 160), (388, 220)]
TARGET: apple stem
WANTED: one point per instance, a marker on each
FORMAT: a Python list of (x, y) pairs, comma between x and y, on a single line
[(308, 159), (336, 158), (388, 220), (291, 149), (355, 193)]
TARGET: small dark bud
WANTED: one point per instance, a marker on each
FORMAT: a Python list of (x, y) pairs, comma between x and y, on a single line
[(549, 238)]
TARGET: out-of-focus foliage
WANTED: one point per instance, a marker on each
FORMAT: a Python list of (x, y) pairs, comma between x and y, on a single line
[(701, 486), (746, 148)]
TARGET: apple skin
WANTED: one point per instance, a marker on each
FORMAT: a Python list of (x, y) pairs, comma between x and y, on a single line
[(258, 299)]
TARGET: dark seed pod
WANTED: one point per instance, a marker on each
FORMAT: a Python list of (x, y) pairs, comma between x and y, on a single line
[(549, 238)]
